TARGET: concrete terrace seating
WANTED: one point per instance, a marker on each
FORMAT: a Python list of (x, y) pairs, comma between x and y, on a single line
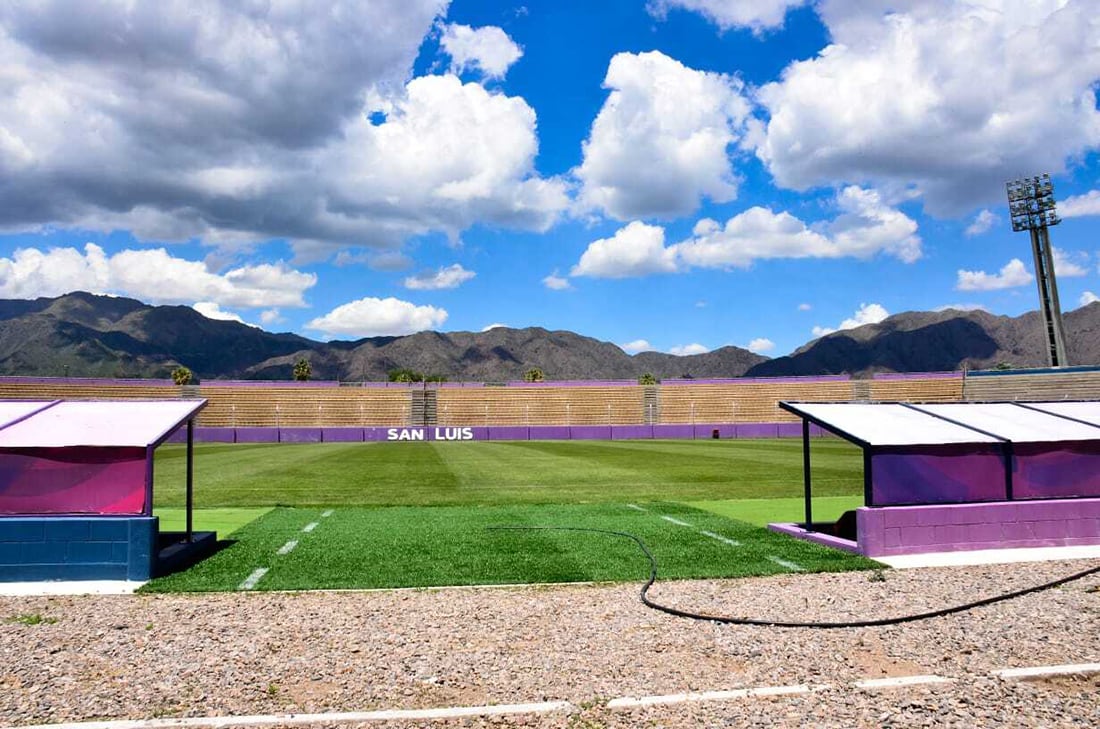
[(751, 401), (1035, 386), (72, 389), (944, 389), (289, 406), (541, 405)]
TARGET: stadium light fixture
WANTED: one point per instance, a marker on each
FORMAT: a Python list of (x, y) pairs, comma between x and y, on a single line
[(1032, 208)]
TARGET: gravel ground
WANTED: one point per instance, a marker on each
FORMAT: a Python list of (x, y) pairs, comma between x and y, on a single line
[(133, 657)]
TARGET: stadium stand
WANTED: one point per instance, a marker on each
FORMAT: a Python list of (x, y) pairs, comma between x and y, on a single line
[(751, 401), (1045, 385), (582, 405), (284, 406), (940, 389)]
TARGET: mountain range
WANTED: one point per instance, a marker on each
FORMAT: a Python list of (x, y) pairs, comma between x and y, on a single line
[(82, 334)]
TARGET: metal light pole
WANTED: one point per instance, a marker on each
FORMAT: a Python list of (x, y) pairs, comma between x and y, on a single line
[(1031, 204)]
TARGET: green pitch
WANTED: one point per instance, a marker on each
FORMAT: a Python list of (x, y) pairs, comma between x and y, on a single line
[(419, 514)]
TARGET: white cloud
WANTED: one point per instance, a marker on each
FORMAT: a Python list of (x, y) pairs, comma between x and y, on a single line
[(688, 349), (804, 307), (939, 96), (211, 310), (757, 15), (865, 314), (1070, 264), (1088, 298), (659, 144), (152, 275), (371, 317), (1077, 206), (638, 345), (761, 345), (450, 277), (864, 227), (271, 316), (488, 49), (982, 222), (494, 325), (700, 304), (238, 123), (554, 282), (635, 250), (1011, 274)]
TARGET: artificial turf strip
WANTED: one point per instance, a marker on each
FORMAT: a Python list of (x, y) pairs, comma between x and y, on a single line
[(359, 548), (223, 521), (765, 511), (442, 473)]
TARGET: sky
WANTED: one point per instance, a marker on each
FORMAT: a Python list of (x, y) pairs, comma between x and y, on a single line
[(669, 175)]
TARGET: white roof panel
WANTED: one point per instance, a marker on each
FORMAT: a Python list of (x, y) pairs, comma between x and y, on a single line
[(1087, 411), (13, 410), (100, 423), (890, 424), (1017, 424)]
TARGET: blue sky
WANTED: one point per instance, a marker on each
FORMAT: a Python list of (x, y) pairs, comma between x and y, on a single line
[(676, 175)]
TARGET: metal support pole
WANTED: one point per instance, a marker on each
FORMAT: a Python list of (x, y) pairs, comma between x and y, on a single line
[(1049, 305), (190, 475), (806, 475)]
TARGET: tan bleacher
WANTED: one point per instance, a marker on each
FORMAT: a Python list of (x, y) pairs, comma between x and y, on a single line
[(231, 406), (596, 405), (946, 389), (1032, 387), (67, 389), (753, 401)]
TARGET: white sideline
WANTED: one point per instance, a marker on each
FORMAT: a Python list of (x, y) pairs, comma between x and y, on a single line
[(250, 581), (326, 513), (310, 527), (676, 521), (792, 566), (900, 681), (632, 702), (288, 547), (720, 538), (457, 712), (1068, 669)]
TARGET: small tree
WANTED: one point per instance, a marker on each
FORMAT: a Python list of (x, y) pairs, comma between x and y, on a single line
[(182, 376), (647, 379), (404, 374), (303, 370), (533, 375)]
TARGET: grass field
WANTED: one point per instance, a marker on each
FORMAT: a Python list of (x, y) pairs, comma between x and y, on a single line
[(419, 514)]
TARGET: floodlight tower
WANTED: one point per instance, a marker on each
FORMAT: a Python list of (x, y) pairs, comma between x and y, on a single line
[(1031, 204)]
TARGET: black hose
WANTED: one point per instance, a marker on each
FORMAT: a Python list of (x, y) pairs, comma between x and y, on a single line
[(788, 624)]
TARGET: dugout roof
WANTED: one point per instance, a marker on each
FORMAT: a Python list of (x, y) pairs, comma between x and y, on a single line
[(63, 424), (898, 424)]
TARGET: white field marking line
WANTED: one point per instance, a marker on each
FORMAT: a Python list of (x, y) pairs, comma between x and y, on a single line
[(1067, 669), (676, 521), (250, 581), (720, 538), (288, 547), (310, 527), (326, 514), (456, 712), (792, 566), (636, 507), (631, 702), (900, 681)]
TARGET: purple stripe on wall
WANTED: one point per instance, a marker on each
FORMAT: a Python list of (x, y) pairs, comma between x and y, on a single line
[(211, 435), (257, 435), (300, 435), (757, 430), (631, 432), (342, 435), (269, 383), (549, 432), (96, 381), (506, 432), (918, 376), (673, 431)]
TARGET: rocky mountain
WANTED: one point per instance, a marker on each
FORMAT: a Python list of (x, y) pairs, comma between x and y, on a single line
[(939, 341), (83, 334)]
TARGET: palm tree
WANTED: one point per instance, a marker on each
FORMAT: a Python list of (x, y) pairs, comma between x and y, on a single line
[(182, 376), (647, 379), (533, 375), (303, 370)]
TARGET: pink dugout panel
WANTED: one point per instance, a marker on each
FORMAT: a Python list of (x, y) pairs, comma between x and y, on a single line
[(74, 480)]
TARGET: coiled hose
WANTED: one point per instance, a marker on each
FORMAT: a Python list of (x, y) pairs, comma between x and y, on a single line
[(789, 624)]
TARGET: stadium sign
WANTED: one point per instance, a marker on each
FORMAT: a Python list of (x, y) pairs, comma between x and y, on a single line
[(430, 434)]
